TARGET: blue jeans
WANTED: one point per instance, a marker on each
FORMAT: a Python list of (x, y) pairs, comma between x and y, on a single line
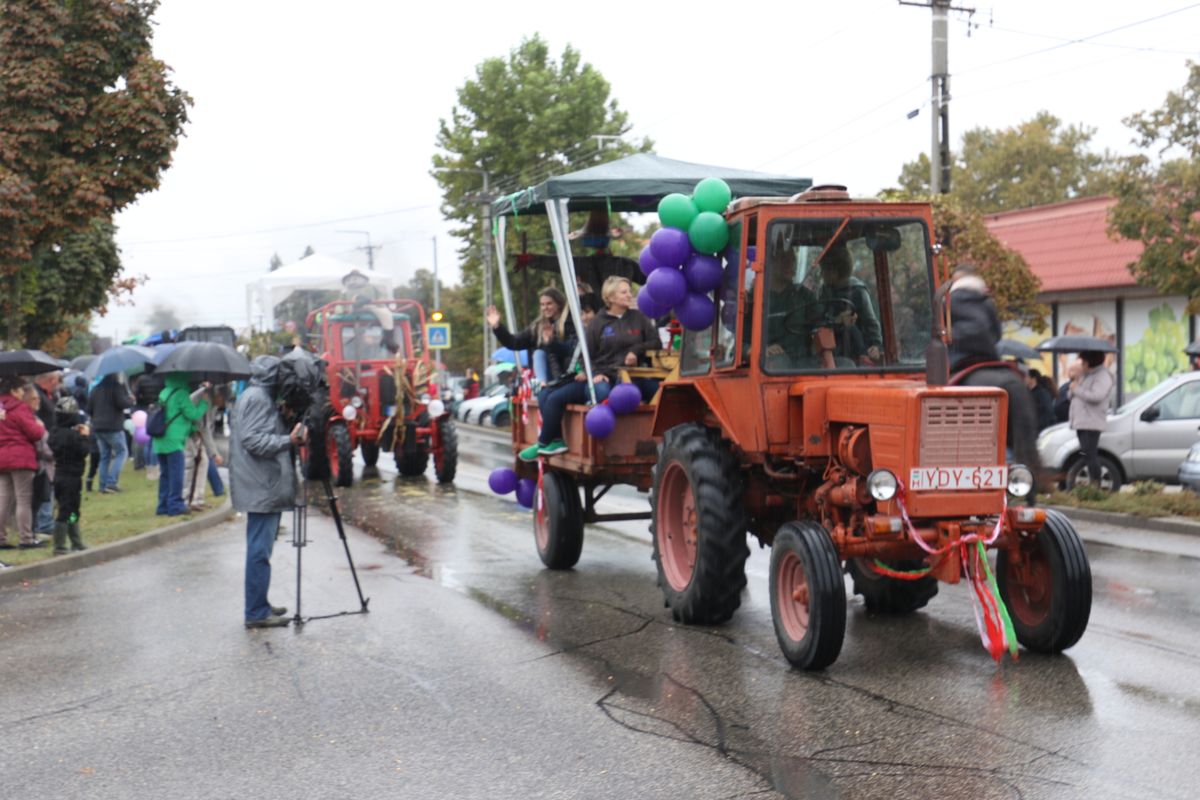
[(260, 540), (553, 405), (112, 457), (43, 521), (170, 485), (214, 479), (541, 366)]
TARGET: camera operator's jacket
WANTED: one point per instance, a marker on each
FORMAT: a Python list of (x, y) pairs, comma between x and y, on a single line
[(262, 478)]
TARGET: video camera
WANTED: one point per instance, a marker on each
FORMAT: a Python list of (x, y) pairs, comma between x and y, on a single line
[(303, 389)]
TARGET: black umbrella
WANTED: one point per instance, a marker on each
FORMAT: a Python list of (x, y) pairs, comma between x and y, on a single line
[(1019, 350), (206, 361), (80, 363), (1077, 344), (1193, 349), (28, 362)]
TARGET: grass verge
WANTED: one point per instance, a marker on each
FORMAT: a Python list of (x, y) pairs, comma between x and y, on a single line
[(1139, 504)]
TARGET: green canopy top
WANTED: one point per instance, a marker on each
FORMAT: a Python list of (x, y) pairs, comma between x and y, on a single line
[(636, 183)]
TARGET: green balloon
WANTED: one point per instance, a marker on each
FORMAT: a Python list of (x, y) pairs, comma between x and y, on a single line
[(712, 194), (677, 211), (708, 233)]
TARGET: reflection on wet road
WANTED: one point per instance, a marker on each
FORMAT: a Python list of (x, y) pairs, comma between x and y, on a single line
[(914, 707)]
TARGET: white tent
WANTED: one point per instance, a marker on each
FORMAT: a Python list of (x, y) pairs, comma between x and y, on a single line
[(314, 273)]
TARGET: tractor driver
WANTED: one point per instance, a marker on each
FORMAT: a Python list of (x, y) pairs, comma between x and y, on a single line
[(859, 332), (785, 297)]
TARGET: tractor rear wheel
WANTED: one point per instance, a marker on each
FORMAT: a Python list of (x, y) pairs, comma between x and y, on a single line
[(340, 453), (445, 458), (885, 595), (370, 453), (411, 464), (698, 526), (558, 521), (1048, 592), (808, 595)]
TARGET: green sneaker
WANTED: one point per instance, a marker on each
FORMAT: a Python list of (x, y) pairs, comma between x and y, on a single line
[(529, 453), (554, 448)]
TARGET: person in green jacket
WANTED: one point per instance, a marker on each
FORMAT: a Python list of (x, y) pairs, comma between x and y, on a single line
[(182, 414)]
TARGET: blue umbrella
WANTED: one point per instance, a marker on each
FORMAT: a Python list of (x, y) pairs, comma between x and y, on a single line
[(128, 358), (505, 354)]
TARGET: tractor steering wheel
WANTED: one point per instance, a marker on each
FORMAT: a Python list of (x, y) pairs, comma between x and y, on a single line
[(800, 321)]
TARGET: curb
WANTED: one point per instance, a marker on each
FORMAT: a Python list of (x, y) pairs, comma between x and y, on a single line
[(58, 565), (1160, 524)]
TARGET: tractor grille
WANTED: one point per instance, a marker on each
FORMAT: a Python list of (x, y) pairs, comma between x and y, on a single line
[(959, 432)]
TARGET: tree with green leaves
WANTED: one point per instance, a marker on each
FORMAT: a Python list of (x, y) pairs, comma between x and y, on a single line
[(1158, 201), (88, 121), (521, 119), (1034, 163)]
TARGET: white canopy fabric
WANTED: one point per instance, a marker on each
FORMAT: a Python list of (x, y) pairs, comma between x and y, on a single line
[(315, 273)]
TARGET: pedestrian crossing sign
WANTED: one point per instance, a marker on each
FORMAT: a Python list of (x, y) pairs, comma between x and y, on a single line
[(438, 334)]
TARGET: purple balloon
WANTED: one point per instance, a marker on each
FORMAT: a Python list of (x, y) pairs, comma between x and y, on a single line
[(703, 273), (649, 306), (647, 261), (696, 311), (624, 398), (667, 286), (526, 489), (140, 436), (600, 422), (502, 480), (670, 246)]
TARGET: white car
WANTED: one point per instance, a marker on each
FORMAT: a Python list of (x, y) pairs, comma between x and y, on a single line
[(1147, 438), (478, 410)]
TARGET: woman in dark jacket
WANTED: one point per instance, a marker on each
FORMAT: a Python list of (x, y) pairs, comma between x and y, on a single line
[(552, 335), (106, 409), (19, 430)]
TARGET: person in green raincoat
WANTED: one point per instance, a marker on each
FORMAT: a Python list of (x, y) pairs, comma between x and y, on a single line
[(181, 415)]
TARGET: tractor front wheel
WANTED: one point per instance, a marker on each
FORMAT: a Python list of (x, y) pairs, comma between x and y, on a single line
[(445, 458), (340, 452), (1048, 590), (886, 595), (558, 521), (698, 526), (808, 596)]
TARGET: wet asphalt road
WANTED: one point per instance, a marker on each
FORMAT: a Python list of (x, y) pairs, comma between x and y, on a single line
[(480, 674)]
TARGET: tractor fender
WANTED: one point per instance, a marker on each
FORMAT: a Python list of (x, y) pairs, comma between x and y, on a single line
[(692, 401)]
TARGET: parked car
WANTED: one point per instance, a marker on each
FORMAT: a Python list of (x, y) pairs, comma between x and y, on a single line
[(473, 410), (1147, 438), (1189, 469)]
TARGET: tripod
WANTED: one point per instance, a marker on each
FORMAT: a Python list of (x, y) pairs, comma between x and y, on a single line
[(300, 540)]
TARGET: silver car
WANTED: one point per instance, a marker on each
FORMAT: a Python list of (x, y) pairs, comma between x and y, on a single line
[(1189, 470), (1146, 438)]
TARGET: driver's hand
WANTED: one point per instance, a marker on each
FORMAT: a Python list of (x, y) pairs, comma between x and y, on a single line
[(874, 353), (774, 350)]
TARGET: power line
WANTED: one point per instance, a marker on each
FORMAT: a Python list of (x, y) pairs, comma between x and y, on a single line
[(1112, 45)]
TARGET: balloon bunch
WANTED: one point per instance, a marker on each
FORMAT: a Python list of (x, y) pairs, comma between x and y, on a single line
[(503, 480), (681, 262), (601, 420), (136, 426)]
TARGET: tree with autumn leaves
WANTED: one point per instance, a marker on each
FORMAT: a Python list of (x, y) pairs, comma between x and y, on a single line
[(89, 119)]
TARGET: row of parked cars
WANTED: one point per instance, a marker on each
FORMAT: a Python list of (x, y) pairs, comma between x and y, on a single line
[(1154, 436), (491, 407)]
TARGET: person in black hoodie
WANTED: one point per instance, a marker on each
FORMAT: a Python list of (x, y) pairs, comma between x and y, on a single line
[(70, 441), (106, 408)]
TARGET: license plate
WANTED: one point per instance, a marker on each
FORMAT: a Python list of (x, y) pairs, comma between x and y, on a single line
[(924, 479)]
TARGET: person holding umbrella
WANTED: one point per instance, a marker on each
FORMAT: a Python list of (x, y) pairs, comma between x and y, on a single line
[(1090, 394), (181, 414), (106, 408)]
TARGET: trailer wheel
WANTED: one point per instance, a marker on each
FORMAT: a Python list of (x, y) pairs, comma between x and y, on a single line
[(340, 454), (558, 521), (370, 453), (884, 595), (1049, 591), (698, 526), (808, 595), (445, 458)]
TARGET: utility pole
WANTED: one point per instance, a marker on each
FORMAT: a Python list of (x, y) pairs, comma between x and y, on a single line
[(485, 199), (369, 248), (437, 304), (939, 151)]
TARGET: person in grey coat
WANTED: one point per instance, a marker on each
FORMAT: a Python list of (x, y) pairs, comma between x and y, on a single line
[(262, 483), (1090, 394)]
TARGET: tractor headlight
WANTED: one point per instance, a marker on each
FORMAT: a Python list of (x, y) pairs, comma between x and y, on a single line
[(356, 401), (349, 412), (1020, 480), (436, 408), (882, 485)]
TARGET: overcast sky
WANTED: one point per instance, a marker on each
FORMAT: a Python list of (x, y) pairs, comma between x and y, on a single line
[(315, 117)]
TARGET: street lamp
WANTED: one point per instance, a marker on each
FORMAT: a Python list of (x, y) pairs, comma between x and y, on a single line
[(486, 200)]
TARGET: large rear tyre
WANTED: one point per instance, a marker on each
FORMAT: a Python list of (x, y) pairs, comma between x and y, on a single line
[(445, 459), (340, 453), (1049, 591), (808, 596), (558, 522), (884, 595), (370, 453), (698, 526)]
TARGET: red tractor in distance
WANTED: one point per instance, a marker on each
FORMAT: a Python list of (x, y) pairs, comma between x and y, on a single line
[(383, 393)]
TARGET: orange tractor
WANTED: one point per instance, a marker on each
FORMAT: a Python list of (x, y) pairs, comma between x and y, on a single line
[(382, 392), (814, 414)]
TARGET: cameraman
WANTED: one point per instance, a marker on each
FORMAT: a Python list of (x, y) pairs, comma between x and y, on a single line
[(262, 483)]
